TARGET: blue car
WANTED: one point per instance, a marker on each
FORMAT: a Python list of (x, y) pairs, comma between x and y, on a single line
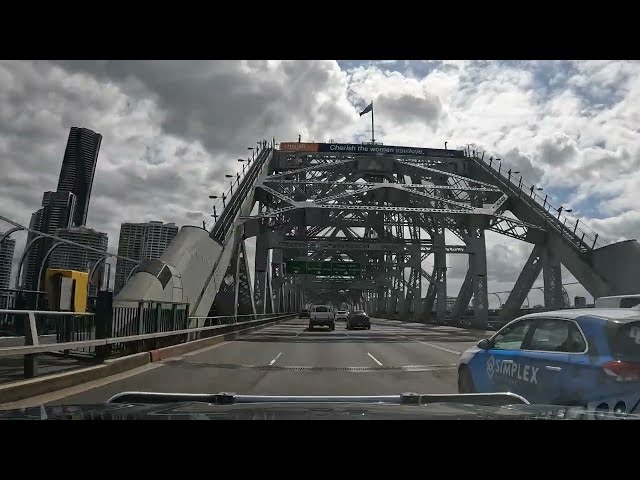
[(582, 357)]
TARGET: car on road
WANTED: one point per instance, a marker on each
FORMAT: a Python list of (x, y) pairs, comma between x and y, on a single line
[(577, 357), (342, 315), (322, 315), (304, 313), (358, 319)]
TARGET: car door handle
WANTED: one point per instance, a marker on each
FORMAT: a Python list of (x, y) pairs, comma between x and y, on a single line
[(555, 369)]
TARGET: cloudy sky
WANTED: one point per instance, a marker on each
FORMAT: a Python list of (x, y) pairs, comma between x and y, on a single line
[(172, 129)]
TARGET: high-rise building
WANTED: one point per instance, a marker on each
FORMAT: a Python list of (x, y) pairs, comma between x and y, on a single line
[(7, 247), (69, 257), (66, 207), (141, 241), (78, 169), (57, 212), (59, 208)]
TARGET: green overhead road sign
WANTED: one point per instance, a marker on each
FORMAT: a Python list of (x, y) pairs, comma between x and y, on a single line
[(353, 268), (314, 268), (296, 267), (339, 268), (343, 269)]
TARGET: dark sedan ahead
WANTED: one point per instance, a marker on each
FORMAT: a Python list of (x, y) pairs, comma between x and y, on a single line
[(358, 319)]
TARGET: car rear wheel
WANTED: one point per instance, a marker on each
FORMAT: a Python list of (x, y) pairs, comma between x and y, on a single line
[(465, 382)]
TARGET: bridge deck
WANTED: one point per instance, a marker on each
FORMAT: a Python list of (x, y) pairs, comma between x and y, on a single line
[(390, 358)]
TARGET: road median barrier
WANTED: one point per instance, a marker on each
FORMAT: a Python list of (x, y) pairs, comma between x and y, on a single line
[(32, 387), (182, 348)]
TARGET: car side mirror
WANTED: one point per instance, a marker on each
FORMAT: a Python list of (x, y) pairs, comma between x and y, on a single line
[(484, 344)]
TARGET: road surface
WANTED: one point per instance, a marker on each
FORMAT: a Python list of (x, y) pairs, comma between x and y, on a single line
[(287, 359)]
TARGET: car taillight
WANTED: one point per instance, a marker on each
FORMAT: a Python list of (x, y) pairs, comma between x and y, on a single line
[(622, 371)]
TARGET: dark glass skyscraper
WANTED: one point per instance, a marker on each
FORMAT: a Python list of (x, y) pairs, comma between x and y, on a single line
[(68, 206), (78, 168)]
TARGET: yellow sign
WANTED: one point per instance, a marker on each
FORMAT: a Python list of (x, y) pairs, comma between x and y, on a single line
[(80, 290)]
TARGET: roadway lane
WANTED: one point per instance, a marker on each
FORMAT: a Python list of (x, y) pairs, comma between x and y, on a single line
[(391, 358)]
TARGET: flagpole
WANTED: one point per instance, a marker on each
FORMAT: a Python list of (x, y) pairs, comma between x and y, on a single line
[(373, 139)]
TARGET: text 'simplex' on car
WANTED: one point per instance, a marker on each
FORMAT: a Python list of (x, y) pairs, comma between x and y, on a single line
[(579, 357)]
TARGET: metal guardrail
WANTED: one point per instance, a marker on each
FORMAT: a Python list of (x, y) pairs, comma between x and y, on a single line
[(103, 347), (235, 200), (34, 346), (565, 223), (249, 171), (31, 329)]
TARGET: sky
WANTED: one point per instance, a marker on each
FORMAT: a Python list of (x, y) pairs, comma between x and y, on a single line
[(172, 130)]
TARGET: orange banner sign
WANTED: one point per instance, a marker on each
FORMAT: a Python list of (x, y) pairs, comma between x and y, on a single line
[(298, 147)]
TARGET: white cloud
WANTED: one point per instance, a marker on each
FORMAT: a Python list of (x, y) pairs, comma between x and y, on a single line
[(172, 129)]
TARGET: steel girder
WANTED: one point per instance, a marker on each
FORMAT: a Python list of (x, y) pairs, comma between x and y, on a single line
[(522, 287), (235, 295), (320, 195), (552, 274)]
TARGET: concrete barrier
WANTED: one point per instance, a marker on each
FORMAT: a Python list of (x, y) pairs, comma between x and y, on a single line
[(32, 387), (182, 348), (19, 341)]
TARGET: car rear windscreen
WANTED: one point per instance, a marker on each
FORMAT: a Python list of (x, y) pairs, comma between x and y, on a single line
[(625, 341), (359, 312), (342, 311), (321, 309), (629, 302)]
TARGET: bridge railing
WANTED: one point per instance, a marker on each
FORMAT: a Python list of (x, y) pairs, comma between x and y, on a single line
[(90, 333), (224, 205), (244, 185), (562, 219)]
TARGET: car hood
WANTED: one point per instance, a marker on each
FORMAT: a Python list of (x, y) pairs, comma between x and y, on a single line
[(132, 406)]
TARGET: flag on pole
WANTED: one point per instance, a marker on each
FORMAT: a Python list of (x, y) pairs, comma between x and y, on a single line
[(368, 109)]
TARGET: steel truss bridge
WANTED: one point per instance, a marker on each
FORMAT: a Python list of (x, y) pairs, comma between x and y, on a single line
[(386, 208)]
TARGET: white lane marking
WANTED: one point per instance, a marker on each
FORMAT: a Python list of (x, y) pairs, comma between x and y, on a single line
[(438, 347), (444, 349), (274, 360), (375, 359)]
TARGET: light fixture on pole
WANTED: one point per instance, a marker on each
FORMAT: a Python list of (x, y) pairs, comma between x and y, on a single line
[(230, 182)]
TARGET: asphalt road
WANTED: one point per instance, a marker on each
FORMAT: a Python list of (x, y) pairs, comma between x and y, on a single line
[(286, 359)]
